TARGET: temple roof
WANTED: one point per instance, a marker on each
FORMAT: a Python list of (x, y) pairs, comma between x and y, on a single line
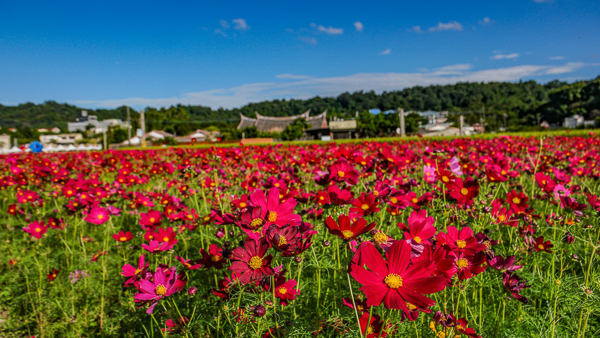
[(278, 124)]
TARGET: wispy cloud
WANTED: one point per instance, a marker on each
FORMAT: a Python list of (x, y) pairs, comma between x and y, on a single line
[(542, 1), (486, 21), (220, 32), (385, 52), (224, 24), (416, 29), (505, 56), (306, 39), (359, 26), (240, 25), (330, 30), (452, 25), (302, 87), (557, 58)]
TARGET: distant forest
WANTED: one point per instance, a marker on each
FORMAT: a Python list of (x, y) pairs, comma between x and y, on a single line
[(521, 105)]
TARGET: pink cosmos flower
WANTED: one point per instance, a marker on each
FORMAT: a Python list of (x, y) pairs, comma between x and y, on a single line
[(98, 216), (160, 287), (36, 229), (429, 174)]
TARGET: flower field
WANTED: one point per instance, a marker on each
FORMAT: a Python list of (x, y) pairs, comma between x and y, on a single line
[(424, 238)]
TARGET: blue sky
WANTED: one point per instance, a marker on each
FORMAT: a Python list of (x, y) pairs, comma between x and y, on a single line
[(229, 53)]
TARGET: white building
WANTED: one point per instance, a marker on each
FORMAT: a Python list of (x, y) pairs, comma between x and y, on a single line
[(61, 138), (98, 126), (5, 142)]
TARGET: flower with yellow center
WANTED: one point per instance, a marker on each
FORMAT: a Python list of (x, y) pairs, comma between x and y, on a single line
[(380, 237), (100, 216), (123, 239), (256, 223), (516, 200), (255, 263), (152, 219), (341, 173), (282, 241), (242, 205), (165, 239), (462, 263), (411, 306), (282, 290), (541, 247), (38, 230), (347, 234), (393, 281), (415, 200), (394, 200), (445, 179), (461, 244), (215, 258), (464, 191), (376, 193), (417, 239), (501, 218), (272, 216), (364, 207), (160, 290)]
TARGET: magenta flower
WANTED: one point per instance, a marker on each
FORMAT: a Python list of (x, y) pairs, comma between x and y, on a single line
[(98, 216), (153, 291), (36, 229), (279, 214), (133, 272)]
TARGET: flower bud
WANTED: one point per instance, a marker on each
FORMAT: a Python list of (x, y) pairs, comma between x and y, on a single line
[(191, 291), (326, 243), (259, 311), (298, 259), (569, 239)]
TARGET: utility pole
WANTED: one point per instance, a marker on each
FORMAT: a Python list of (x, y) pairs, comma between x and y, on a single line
[(104, 132), (402, 126), (462, 121), (128, 125), (143, 124)]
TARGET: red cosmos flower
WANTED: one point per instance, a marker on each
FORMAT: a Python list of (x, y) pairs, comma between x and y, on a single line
[(373, 328), (468, 266), (444, 265), (342, 171), (540, 245), (503, 215), (322, 197), (517, 201), (212, 258), (276, 213), (13, 209), (420, 227), (461, 327), (514, 284), (155, 246), (594, 201), (339, 196), (160, 287), (445, 176), (361, 305), (97, 215), (250, 262), (123, 236), (282, 239), (545, 182), (166, 235), (396, 283), (285, 290), (464, 191), (504, 264), (346, 230), (365, 205), (133, 272), (97, 255), (52, 276), (570, 203), (462, 241), (36, 229), (241, 203), (150, 219), (189, 264)]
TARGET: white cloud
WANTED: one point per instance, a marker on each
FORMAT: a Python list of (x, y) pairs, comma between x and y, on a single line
[(486, 21), (330, 30), (567, 68), (220, 32), (292, 76), (240, 25), (359, 26), (224, 24), (505, 56), (542, 1), (452, 25), (386, 52), (301, 87), (306, 39), (416, 29), (557, 58)]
